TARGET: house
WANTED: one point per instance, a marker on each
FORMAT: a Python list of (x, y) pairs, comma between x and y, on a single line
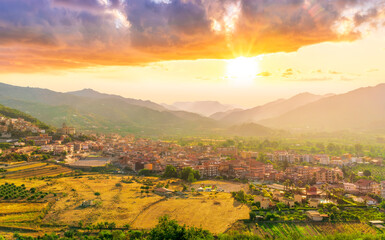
[(324, 159), (365, 186), (265, 203), (277, 194), (298, 198), (163, 192), (46, 148), (350, 187), (289, 202), (369, 201), (88, 203), (329, 175), (67, 130), (312, 192), (358, 199), (374, 222), (314, 203), (258, 198), (315, 215)]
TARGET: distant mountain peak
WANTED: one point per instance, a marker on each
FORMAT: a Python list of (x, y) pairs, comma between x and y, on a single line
[(84, 91), (204, 108), (91, 93)]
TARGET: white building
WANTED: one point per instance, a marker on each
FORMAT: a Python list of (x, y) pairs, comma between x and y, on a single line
[(324, 159), (350, 187)]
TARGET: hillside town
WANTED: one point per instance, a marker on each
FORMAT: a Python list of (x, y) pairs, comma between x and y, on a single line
[(313, 173)]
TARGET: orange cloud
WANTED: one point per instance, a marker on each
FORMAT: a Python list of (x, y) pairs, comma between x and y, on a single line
[(48, 34)]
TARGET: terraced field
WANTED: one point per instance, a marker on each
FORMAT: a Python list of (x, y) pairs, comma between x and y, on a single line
[(299, 230), (36, 170), (25, 166)]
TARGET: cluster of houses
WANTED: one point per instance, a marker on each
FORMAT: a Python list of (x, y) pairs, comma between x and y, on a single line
[(136, 154), (314, 198), (322, 159), (17, 124)]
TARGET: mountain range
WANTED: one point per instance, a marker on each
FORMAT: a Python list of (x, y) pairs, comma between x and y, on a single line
[(88, 110), (359, 110), (204, 108), (270, 110)]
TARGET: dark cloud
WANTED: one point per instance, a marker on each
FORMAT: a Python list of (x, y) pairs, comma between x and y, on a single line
[(360, 18), (166, 25), (127, 32)]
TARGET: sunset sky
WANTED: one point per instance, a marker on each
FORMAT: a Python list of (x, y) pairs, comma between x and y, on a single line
[(244, 52)]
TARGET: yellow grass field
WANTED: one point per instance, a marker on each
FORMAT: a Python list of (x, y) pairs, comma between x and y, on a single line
[(30, 183), (122, 204), (7, 208), (214, 212), (16, 168), (117, 204), (227, 186)]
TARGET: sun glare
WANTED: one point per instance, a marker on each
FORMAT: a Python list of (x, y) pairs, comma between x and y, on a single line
[(242, 71)]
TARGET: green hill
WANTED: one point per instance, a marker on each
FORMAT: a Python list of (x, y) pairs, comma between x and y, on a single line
[(13, 113), (101, 114)]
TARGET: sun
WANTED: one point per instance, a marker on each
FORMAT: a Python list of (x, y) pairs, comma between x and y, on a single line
[(242, 71)]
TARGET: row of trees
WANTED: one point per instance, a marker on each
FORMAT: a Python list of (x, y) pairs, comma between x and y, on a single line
[(11, 191), (14, 157), (188, 174), (165, 229), (171, 230), (331, 147)]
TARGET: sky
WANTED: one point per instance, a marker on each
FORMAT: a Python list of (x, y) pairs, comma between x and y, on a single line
[(244, 52)]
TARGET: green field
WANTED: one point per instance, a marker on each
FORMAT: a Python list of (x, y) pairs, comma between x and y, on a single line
[(288, 230), (378, 172)]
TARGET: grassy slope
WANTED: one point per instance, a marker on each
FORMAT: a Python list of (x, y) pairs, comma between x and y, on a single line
[(13, 113)]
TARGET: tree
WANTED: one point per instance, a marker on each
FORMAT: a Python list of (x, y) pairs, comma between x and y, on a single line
[(358, 148), (185, 174), (367, 173), (170, 172), (331, 147), (111, 225), (171, 230), (80, 224), (145, 172), (281, 206), (263, 158), (99, 226), (191, 178), (252, 215)]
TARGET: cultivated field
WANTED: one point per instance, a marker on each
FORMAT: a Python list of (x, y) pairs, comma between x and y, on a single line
[(114, 204), (36, 169), (214, 212), (299, 230), (122, 202)]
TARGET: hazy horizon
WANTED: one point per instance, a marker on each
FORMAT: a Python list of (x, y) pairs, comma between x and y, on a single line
[(235, 103)]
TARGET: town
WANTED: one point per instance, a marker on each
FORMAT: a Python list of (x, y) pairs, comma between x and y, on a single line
[(277, 179)]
